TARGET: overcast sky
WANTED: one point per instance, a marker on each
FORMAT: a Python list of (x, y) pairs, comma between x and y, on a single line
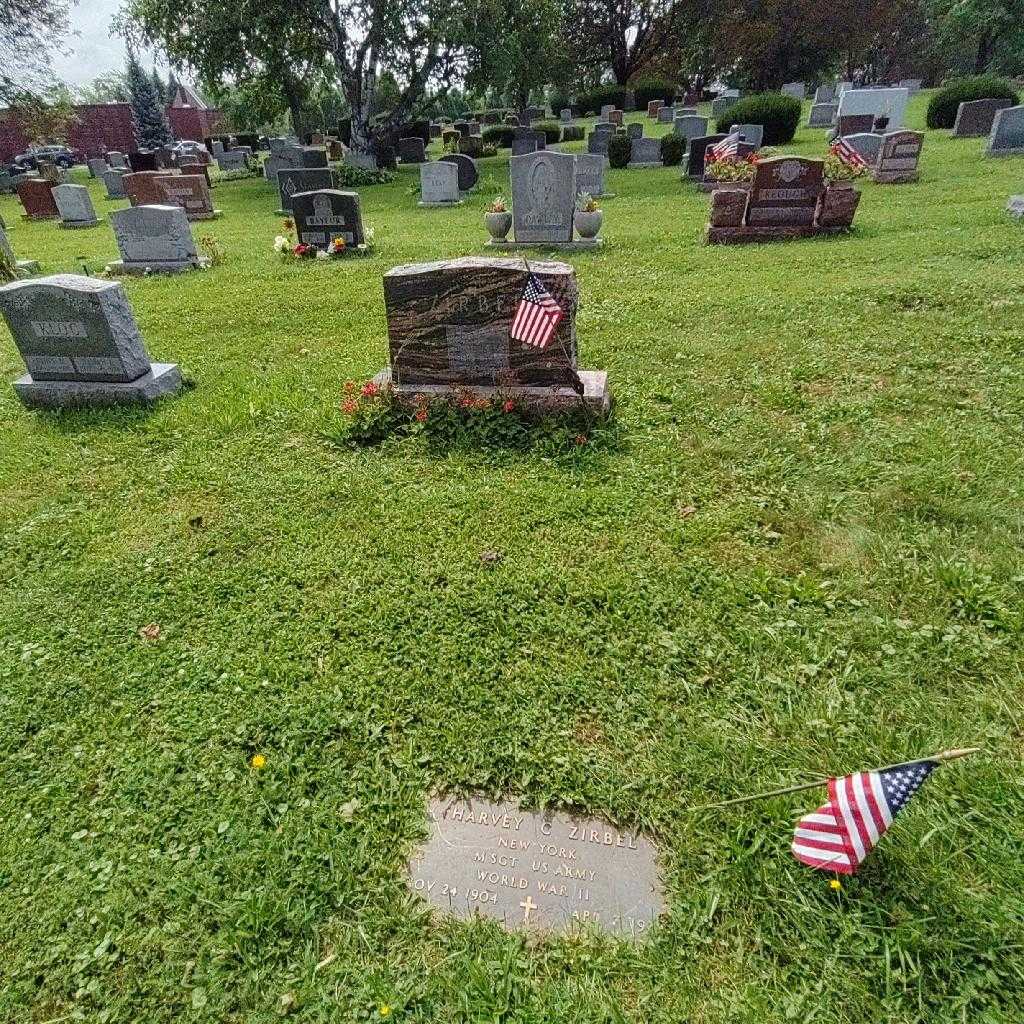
[(96, 48)]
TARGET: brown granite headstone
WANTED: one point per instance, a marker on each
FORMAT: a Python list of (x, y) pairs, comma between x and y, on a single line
[(785, 191), (550, 872), (36, 197), (898, 158), (190, 192), (854, 124), (142, 187), (653, 107), (974, 117), (448, 329)]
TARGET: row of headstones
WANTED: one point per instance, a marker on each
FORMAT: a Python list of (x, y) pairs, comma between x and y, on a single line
[(646, 151), (1002, 122)]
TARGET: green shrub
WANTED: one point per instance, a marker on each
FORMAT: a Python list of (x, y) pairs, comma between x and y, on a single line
[(552, 130), (672, 148), (572, 133), (354, 177), (499, 135), (592, 102), (778, 114), (943, 105), (648, 89), (619, 149), (559, 101)]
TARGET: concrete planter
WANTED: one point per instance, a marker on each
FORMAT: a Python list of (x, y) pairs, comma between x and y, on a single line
[(498, 225), (588, 224)]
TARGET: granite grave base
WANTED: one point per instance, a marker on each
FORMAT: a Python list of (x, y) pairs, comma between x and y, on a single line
[(540, 401), (436, 206), (121, 268), (77, 225), (162, 380), (578, 245)]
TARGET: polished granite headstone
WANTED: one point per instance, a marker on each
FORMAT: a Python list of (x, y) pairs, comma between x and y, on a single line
[(545, 872), (448, 332)]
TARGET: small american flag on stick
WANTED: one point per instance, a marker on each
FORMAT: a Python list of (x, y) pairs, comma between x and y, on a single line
[(537, 316), (729, 146), (842, 149), (860, 809)]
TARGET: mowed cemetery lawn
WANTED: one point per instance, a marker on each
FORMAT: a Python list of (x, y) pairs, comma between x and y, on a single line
[(798, 551)]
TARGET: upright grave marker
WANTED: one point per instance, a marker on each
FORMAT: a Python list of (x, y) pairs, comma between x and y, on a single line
[(293, 180), (411, 150), (154, 239), (322, 216), (548, 872), (439, 184), (644, 152), (190, 192), (898, 158), (590, 175), (822, 115), (37, 199), (448, 334), (75, 206), (81, 345), (113, 182), (879, 103), (468, 174), (974, 117), (1007, 135)]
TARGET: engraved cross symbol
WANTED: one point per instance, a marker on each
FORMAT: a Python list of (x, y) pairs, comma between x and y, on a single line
[(527, 906)]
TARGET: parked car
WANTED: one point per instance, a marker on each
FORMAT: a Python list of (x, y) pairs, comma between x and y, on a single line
[(29, 160), (185, 148)]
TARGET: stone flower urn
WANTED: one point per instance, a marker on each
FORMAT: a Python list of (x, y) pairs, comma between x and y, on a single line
[(587, 224), (498, 225)]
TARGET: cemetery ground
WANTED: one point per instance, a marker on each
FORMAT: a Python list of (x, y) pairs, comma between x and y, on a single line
[(798, 551)]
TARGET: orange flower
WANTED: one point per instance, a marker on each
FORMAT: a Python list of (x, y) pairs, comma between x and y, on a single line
[(580, 439), (348, 407), (421, 415)]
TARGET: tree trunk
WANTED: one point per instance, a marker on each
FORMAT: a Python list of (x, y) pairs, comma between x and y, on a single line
[(360, 96), (984, 54), (294, 99)]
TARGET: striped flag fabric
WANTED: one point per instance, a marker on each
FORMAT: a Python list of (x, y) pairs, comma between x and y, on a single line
[(842, 149), (537, 316), (860, 809), (729, 146)]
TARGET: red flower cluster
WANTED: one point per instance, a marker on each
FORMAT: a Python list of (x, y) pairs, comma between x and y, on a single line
[(469, 402), (508, 406), (369, 389), (302, 249), (349, 406)]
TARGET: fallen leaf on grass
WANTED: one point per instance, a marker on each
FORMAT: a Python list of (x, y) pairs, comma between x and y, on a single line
[(491, 557), (150, 632)]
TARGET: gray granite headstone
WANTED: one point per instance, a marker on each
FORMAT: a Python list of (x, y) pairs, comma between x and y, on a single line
[(114, 183), (690, 126), (97, 167), (606, 109), (590, 174), (634, 130), (522, 144), (974, 117), (825, 94), (550, 872), (645, 152), (116, 159), (293, 180), (80, 344), (898, 157), (439, 184), (822, 115), (597, 142), (720, 105), (752, 133), (867, 144), (324, 215), (666, 115), (154, 238), (565, 114), (75, 206), (1015, 206), (543, 196), (795, 89), (233, 160)]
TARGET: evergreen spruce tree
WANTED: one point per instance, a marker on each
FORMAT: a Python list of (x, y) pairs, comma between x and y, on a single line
[(148, 118), (159, 87)]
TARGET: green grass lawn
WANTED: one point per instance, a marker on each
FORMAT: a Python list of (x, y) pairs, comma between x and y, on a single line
[(803, 554)]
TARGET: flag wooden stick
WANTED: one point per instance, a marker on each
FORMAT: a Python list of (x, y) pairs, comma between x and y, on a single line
[(945, 755)]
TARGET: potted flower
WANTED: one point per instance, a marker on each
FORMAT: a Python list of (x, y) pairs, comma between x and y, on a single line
[(498, 220), (588, 216)]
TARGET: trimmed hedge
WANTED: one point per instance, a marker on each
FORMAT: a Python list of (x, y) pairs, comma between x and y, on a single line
[(672, 148), (778, 114), (552, 130), (499, 135), (943, 105), (592, 102), (648, 89), (620, 147)]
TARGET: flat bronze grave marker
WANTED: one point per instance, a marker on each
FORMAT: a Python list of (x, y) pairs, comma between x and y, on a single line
[(549, 872)]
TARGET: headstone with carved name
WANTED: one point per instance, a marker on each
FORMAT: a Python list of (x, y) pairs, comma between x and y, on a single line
[(293, 180), (328, 214), (448, 334), (898, 158), (590, 168), (537, 873), (142, 189), (439, 184), (190, 192), (81, 345)]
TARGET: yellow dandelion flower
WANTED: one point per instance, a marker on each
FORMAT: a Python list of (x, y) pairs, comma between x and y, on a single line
[(384, 1010), (835, 885), (258, 761)]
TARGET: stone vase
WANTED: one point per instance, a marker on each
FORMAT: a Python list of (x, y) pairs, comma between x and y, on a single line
[(588, 224), (498, 225)]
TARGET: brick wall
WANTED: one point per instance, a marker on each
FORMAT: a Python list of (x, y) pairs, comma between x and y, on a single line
[(106, 126)]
